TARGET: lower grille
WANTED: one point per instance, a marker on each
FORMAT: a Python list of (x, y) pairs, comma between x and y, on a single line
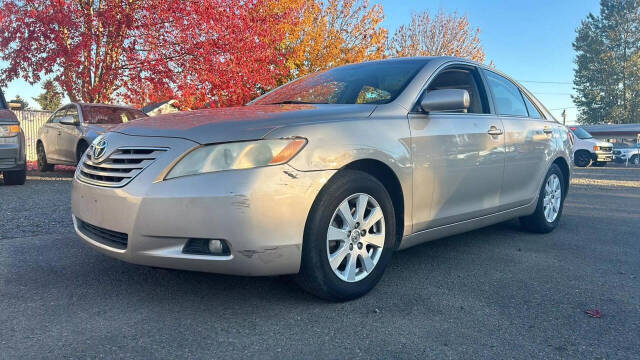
[(5, 163), (110, 238)]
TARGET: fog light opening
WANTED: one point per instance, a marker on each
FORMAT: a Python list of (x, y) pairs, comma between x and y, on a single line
[(215, 247)]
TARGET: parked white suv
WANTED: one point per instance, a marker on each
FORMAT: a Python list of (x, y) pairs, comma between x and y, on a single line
[(587, 150)]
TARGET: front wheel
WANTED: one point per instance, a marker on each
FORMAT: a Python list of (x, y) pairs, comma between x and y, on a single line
[(550, 203), (582, 158), (349, 237), (43, 165), (635, 160)]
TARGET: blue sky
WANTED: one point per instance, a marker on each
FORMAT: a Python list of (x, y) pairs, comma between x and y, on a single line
[(529, 40)]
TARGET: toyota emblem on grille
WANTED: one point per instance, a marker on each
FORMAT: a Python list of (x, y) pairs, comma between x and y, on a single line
[(99, 149)]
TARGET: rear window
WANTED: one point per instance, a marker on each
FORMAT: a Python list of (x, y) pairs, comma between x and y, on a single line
[(507, 96), (110, 114)]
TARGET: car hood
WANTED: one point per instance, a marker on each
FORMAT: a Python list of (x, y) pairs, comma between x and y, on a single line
[(239, 123), (8, 117)]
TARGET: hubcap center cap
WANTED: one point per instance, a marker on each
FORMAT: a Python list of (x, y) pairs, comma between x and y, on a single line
[(354, 236)]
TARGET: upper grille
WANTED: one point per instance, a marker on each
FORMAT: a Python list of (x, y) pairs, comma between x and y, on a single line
[(606, 148), (119, 167)]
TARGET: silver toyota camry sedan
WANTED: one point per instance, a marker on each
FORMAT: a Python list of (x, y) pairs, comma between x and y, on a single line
[(327, 176)]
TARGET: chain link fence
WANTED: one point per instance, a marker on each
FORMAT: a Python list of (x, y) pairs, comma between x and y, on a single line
[(30, 122)]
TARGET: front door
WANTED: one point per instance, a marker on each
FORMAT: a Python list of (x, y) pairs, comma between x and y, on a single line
[(458, 157), (69, 136)]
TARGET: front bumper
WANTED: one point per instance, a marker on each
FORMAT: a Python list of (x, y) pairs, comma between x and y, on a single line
[(12, 156), (260, 213), (603, 156)]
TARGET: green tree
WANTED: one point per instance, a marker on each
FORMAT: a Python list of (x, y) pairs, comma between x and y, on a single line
[(607, 75), (24, 105), (51, 98)]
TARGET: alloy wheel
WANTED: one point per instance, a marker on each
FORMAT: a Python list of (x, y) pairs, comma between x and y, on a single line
[(552, 198), (355, 237)]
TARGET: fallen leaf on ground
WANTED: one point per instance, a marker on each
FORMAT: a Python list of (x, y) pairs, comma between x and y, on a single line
[(595, 313)]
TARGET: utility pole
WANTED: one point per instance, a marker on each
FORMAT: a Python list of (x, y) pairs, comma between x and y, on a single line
[(564, 117)]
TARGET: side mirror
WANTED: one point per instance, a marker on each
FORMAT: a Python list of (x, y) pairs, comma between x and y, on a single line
[(69, 120), (446, 100)]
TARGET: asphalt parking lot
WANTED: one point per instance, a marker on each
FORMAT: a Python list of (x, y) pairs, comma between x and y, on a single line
[(493, 293)]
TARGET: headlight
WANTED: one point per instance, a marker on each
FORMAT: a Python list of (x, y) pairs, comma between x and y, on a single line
[(236, 156), (596, 148), (9, 130)]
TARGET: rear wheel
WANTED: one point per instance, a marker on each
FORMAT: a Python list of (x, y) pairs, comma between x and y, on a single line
[(18, 177), (349, 237), (550, 203), (82, 147), (43, 165), (582, 158)]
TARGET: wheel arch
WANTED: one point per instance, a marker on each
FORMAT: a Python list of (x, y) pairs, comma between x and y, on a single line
[(566, 171), (80, 142), (383, 173)]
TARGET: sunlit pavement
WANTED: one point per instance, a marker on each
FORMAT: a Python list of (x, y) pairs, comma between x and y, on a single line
[(493, 293)]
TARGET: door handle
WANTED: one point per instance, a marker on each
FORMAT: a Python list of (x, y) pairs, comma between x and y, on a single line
[(547, 130), (494, 131)]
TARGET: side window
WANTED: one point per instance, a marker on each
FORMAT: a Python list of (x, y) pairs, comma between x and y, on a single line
[(464, 78), (55, 118), (533, 111), (73, 112), (507, 96)]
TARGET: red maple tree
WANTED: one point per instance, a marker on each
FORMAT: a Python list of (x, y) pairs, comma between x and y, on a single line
[(200, 52)]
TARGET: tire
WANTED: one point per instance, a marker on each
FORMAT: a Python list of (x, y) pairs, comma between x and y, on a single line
[(43, 165), (82, 147), (635, 160), (342, 282), (539, 222), (18, 177), (582, 158), (599, 164)]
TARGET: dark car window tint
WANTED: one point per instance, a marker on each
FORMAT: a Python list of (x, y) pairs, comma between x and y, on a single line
[(377, 82), (507, 97), (533, 111), (465, 79), (3, 102), (109, 114)]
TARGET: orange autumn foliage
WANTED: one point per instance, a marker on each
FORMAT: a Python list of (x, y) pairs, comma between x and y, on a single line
[(333, 33)]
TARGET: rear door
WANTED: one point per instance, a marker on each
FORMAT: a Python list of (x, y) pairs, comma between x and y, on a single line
[(528, 140), (458, 157)]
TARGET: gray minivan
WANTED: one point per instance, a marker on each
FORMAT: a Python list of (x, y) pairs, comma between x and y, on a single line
[(13, 160)]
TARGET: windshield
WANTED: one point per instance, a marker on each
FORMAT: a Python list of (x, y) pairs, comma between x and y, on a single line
[(377, 82), (581, 133), (110, 114)]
